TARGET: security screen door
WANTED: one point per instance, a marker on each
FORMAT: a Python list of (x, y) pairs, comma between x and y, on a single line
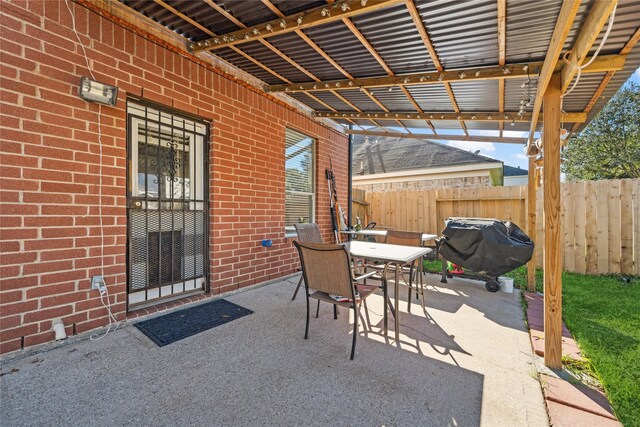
[(167, 201)]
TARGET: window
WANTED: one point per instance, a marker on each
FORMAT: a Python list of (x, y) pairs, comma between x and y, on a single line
[(299, 183)]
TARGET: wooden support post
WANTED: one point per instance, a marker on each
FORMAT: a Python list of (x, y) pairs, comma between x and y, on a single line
[(552, 238), (532, 186)]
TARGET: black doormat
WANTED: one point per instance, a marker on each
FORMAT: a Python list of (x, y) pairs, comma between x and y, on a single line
[(175, 326)]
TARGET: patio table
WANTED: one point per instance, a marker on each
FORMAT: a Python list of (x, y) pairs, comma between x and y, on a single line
[(382, 233), (388, 254)]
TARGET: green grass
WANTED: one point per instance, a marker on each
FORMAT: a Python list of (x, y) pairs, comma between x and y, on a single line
[(603, 314)]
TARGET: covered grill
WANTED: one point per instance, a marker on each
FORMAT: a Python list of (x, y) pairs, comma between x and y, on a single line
[(485, 247)]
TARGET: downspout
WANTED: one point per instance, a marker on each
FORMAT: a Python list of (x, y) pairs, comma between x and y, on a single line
[(349, 195)]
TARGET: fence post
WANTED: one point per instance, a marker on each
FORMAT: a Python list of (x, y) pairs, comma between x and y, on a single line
[(532, 183), (552, 225)]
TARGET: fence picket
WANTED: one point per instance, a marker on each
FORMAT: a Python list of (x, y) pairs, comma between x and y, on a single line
[(568, 225), (636, 225), (540, 227), (591, 231), (580, 246), (626, 226), (614, 221), (602, 218)]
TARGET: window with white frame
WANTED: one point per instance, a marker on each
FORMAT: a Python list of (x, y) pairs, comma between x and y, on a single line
[(299, 182)]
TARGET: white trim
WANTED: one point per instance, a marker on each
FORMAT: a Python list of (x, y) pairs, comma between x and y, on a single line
[(475, 170), (431, 171)]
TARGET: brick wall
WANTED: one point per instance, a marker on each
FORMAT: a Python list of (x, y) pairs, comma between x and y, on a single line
[(427, 184), (50, 228)]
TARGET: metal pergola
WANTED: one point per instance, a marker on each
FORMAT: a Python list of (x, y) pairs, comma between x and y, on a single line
[(441, 65)]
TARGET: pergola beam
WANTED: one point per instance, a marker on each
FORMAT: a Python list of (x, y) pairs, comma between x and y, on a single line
[(441, 137), (299, 21), (592, 26), (426, 40), (356, 32), (314, 46), (493, 116), (561, 30), (605, 80), (502, 52), (211, 33), (520, 70)]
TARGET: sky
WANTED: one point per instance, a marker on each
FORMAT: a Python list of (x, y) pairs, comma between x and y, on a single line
[(509, 154)]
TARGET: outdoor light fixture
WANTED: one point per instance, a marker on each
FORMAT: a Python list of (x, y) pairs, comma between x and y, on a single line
[(102, 93)]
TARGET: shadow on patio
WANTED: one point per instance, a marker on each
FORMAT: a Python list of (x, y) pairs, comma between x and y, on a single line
[(469, 362)]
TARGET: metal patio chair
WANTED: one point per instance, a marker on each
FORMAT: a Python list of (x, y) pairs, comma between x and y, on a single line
[(405, 238), (308, 233), (327, 271)]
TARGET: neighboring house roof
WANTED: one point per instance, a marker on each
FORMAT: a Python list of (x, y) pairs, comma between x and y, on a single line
[(511, 171), (384, 155)]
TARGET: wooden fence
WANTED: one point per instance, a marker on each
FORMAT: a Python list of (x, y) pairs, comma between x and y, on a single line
[(600, 219), (359, 206)]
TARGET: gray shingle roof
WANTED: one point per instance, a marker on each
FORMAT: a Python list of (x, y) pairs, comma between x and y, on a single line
[(384, 155), (511, 171)]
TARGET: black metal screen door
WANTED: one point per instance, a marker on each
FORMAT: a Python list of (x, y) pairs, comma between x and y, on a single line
[(167, 202)]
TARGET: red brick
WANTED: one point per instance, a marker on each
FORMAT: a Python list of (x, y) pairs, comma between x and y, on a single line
[(9, 346), (63, 210), (47, 314), (73, 254), (19, 258), (74, 318), (19, 160), (33, 126), (21, 137), (38, 339), (61, 165), (63, 232), (9, 172), (9, 270), (91, 324), (63, 299), (10, 296), (10, 334), (46, 267), (64, 276), (57, 187), (17, 283), (18, 307), (9, 246), (41, 198)]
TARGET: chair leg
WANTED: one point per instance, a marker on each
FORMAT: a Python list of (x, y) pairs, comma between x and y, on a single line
[(422, 287), (385, 295), (297, 287), (335, 311), (366, 313), (410, 288), (306, 328), (355, 331), (318, 309)]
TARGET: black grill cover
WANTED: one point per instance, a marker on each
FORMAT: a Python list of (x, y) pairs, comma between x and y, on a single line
[(486, 246)]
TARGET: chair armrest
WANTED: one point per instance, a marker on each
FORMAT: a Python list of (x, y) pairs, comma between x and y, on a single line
[(365, 276)]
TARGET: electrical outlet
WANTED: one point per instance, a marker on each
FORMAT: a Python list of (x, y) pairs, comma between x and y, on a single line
[(97, 282)]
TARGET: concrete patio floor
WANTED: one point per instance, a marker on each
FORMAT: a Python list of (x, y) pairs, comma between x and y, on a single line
[(467, 362)]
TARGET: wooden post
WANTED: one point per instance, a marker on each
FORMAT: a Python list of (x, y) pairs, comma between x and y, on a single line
[(532, 185), (552, 238)]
